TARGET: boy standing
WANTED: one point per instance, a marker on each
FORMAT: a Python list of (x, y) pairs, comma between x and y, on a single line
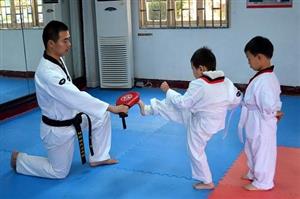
[(202, 109), (260, 112)]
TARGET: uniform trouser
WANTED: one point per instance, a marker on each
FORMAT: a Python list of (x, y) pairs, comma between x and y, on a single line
[(261, 153), (196, 140), (60, 156)]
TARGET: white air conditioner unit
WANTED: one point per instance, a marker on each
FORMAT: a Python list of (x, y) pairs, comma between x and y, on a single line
[(114, 37)]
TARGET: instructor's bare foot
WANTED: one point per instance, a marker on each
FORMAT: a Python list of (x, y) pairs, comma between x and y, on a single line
[(200, 186), (13, 160), (104, 162), (142, 107), (251, 187)]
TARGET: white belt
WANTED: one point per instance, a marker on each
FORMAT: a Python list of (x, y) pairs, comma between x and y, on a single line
[(244, 115)]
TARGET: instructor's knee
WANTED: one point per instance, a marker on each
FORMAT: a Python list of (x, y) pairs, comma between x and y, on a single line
[(61, 174)]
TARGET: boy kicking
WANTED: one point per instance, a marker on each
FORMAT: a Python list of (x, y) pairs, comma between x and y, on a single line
[(202, 109)]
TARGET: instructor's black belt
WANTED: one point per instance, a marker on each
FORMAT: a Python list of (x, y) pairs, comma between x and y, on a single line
[(76, 121)]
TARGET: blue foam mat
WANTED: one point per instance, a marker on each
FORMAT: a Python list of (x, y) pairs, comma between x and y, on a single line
[(153, 157)]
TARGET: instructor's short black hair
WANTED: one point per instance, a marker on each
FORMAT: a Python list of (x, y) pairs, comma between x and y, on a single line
[(52, 30), (260, 45), (204, 57)]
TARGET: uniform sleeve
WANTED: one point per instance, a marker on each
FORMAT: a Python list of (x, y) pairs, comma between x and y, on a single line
[(235, 95), (268, 100), (193, 94), (68, 94)]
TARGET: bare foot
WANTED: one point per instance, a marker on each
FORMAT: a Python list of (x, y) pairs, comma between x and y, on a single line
[(104, 162), (251, 187), (279, 115), (142, 107), (13, 160), (245, 177), (201, 185)]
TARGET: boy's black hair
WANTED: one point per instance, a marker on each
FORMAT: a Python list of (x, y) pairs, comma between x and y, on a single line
[(52, 30), (204, 57), (260, 45)]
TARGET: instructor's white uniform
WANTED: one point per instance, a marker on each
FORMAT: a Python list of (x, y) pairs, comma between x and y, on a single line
[(60, 99), (202, 109), (260, 104)]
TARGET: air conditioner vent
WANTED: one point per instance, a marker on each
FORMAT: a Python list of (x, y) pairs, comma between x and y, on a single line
[(114, 44)]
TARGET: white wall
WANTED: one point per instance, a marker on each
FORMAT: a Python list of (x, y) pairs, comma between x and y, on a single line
[(298, 44), (166, 54), (12, 51)]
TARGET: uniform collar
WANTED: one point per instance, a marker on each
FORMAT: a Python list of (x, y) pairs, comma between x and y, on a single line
[(213, 77), (59, 63), (52, 59), (266, 70)]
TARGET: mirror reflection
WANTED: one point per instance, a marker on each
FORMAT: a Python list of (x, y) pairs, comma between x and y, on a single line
[(21, 23)]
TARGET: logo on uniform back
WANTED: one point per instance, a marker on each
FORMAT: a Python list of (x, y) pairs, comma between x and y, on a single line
[(62, 81)]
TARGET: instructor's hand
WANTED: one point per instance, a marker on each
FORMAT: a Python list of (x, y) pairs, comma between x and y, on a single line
[(164, 86), (118, 109)]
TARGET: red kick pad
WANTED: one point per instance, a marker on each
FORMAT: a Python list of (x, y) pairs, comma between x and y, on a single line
[(287, 179)]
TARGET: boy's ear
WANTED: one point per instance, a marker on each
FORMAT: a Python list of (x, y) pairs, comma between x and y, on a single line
[(260, 56), (203, 68)]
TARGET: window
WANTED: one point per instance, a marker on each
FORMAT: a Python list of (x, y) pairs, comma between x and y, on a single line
[(184, 13), (20, 13)]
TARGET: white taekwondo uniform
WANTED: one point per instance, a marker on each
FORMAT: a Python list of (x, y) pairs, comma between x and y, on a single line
[(202, 109), (59, 99), (260, 104)]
